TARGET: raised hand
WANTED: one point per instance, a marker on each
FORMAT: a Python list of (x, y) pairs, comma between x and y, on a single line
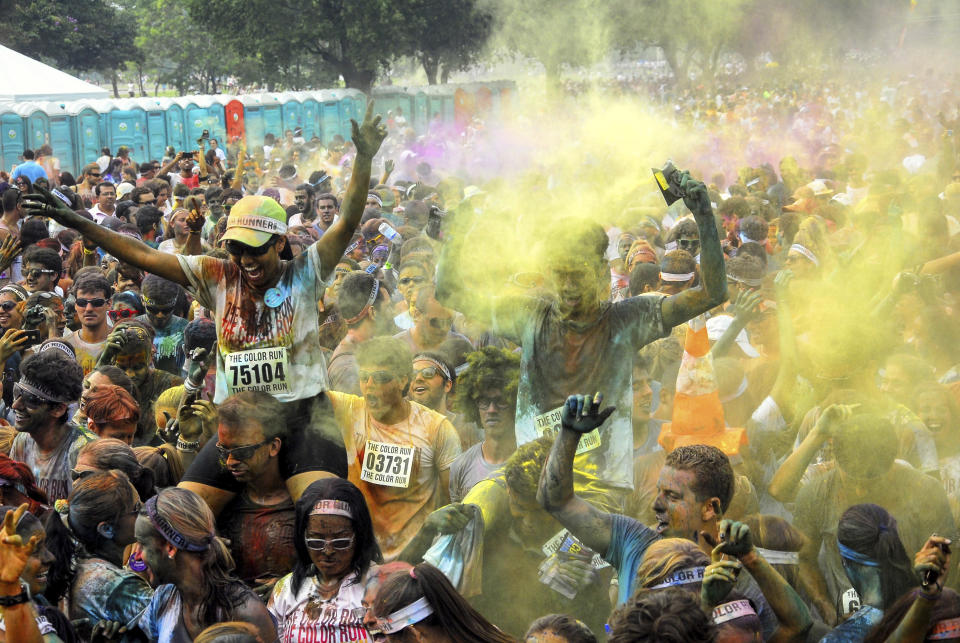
[(9, 250), (368, 136), (12, 341), (747, 304), (40, 203), (13, 551), (695, 196), (831, 417), (388, 166), (781, 282), (735, 539), (718, 578), (582, 414), (932, 563)]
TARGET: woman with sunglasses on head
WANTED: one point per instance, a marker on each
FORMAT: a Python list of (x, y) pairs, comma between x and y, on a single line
[(321, 599), (125, 305), (11, 318), (88, 538), (197, 586), (265, 308)]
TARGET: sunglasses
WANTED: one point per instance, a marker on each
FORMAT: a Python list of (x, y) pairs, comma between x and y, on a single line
[(441, 323), (31, 400), (36, 273), (7, 306), (499, 402), (408, 281), (123, 313), (319, 544), (96, 303), (156, 310), (429, 372), (379, 377), (240, 453), (80, 475), (238, 249)]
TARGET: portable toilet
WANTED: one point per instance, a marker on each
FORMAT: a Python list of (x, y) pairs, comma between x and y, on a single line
[(420, 118), (176, 134), (463, 107), (60, 134), (35, 122), (353, 105), (329, 101), (310, 116), (484, 98), (272, 115), (236, 126), (127, 126), (291, 110), (216, 119), (12, 138), (253, 121), (86, 134), (156, 111)]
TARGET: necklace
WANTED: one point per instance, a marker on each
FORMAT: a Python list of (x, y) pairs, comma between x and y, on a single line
[(316, 601)]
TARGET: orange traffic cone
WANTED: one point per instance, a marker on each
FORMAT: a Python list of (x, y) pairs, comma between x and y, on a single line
[(697, 411)]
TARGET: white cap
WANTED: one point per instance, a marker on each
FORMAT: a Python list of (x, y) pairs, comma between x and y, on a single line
[(124, 189), (717, 326)]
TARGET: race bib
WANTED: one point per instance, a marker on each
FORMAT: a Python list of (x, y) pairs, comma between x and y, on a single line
[(564, 541), (849, 602), (549, 423), (257, 369), (387, 464)]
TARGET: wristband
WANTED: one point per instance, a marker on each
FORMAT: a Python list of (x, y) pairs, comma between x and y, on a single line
[(89, 252), (16, 599), (190, 447)]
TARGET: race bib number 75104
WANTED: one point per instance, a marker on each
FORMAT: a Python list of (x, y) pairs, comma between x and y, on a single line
[(257, 369)]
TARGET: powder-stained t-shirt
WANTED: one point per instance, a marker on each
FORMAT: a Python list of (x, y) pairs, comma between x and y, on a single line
[(245, 323), (397, 512), (467, 470), (103, 591), (168, 354), (261, 537), (560, 359), (87, 353), (52, 472), (304, 616)]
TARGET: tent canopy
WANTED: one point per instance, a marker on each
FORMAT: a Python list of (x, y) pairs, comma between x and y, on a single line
[(27, 79)]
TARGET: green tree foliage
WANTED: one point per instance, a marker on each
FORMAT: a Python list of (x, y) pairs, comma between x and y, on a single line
[(446, 35)]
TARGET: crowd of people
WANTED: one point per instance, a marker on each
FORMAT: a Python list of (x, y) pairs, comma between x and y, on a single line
[(243, 405)]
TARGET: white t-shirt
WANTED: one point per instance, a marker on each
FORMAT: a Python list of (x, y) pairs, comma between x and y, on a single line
[(339, 620), (245, 324)]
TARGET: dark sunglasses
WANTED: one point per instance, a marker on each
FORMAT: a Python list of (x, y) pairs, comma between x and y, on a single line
[(96, 303), (441, 322), (156, 310), (379, 377), (123, 313), (80, 475), (429, 372), (36, 273), (319, 544), (499, 402), (96, 176), (407, 281), (31, 400), (238, 249), (240, 453), (7, 306)]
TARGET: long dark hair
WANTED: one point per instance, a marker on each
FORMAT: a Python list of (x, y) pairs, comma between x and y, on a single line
[(870, 530), (367, 550), (451, 612)]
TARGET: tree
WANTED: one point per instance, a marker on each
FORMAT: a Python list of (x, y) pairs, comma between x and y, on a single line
[(81, 35), (353, 39), (446, 35)]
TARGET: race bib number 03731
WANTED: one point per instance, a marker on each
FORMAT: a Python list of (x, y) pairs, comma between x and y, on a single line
[(549, 423), (257, 369), (387, 464)]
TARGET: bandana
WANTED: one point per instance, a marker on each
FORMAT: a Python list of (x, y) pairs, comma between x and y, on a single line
[(805, 252), (746, 281), (376, 197), (732, 610), (685, 576), (173, 536), (406, 616), (856, 557), (676, 277), (332, 508), (443, 369), (363, 311)]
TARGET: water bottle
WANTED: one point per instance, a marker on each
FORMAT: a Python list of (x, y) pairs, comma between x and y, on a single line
[(391, 234)]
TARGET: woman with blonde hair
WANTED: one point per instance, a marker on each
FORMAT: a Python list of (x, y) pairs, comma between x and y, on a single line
[(197, 584)]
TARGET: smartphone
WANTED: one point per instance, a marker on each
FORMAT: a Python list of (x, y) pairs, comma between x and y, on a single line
[(206, 134), (34, 337)]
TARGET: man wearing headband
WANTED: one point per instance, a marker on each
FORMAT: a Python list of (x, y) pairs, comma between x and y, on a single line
[(432, 382), (364, 309), (46, 440), (265, 307), (432, 323)]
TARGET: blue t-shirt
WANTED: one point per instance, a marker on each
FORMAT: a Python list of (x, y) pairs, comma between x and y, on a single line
[(855, 628), (30, 169), (629, 540)]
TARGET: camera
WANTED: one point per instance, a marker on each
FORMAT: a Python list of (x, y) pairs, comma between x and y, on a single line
[(434, 221), (668, 180), (32, 319)]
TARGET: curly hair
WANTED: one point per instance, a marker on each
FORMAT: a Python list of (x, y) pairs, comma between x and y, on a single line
[(523, 468), (54, 371), (563, 626), (488, 368), (91, 282), (669, 615), (160, 290)]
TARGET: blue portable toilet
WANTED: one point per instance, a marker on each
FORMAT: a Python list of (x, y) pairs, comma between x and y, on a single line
[(156, 111), (176, 134), (253, 120), (311, 116), (292, 111), (421, 114), (11, 137), (60, 134), (36, 123), (353, 105), (329, 101), (86, 134), (127, 126), (272, 115), (194, 120), (216, 118)]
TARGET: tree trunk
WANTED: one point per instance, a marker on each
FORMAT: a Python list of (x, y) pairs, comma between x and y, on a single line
[(113, 83), (140, 80), (354, 78), (444, 75), (430, 65)]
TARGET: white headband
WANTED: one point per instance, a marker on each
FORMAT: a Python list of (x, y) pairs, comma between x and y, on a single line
[(676, 277), (443, 369), (682, 577), (376, 197), (332, 508), (733, 609), (257, 222), (406, 616), (806, 253), (775, 557)]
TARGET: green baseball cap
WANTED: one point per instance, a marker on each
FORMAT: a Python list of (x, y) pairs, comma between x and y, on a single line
[(254, 220)]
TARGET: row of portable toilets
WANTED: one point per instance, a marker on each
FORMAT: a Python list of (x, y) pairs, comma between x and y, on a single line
[(77, 130)]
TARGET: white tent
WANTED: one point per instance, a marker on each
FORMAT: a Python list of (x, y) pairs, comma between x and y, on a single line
[(28, 79)]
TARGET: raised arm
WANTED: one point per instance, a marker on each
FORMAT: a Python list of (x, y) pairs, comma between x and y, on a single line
[(241, 167), (367, 138), (581, 414), (171, 163), (933, 560), (124, 248), (745, 308), (712, 290)]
